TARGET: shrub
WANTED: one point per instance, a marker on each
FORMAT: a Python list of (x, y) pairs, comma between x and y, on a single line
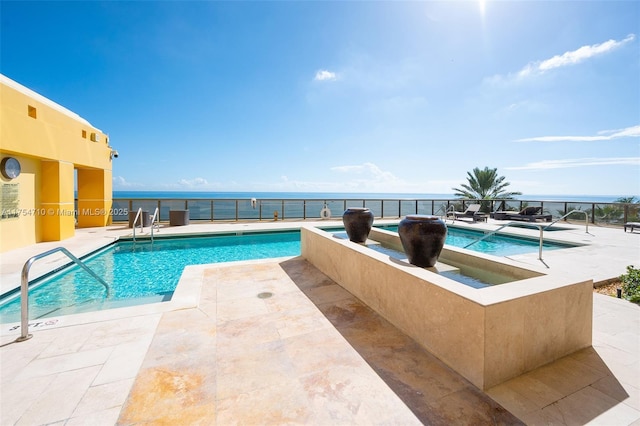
[(631, 284)]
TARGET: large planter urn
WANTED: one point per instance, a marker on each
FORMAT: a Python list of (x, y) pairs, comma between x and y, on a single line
[(422, 238), (357, 222)]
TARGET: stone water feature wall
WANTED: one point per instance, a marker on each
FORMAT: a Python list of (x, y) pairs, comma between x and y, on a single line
[(487, 335)]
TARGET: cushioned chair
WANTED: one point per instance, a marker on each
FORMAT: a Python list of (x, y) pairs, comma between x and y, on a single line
[(472, 212), (528, 214), (631, 225)]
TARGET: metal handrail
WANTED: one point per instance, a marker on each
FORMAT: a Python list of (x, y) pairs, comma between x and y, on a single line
[(444, 210), (542, 227), (541, 240), (155, 220), (24, 287), (586, 219), (138, 215)]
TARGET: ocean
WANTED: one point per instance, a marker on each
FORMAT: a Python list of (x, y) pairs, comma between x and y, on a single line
[(199, 195), (296, 205)]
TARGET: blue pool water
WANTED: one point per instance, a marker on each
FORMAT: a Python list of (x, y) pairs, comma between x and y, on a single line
[(497, 245), (146, 272)]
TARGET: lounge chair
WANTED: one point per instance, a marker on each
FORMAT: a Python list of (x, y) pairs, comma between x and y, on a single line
[(472, 212), (631, 225), (528, 214)]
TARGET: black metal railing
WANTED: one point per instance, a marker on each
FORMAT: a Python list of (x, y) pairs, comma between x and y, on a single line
[(212, 210)]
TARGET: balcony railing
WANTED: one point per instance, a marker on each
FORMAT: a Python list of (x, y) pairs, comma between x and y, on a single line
[(212, 210)]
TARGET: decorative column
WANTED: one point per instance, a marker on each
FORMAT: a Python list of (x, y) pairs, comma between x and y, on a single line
[(57, 212), (94, 197)]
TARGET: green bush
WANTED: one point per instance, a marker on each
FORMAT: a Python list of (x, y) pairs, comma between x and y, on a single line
[(631, 284)]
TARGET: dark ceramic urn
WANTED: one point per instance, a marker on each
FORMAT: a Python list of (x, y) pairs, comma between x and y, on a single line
[(422, 238), (357, 222)]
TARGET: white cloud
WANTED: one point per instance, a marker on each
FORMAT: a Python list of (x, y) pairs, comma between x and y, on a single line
[(121, 182), (606, 135), (569, 58), (194, 183), (581, 54), (369, 170), (578, 162), (323, 75)]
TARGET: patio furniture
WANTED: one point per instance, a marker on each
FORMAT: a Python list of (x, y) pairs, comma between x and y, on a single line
[(528, 214), (631, 225), (178, 217), (472, 212)]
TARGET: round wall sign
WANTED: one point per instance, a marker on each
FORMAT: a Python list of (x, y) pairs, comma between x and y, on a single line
[(10, 168)]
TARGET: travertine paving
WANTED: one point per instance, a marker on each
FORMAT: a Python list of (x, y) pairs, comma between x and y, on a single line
[(260, 352)]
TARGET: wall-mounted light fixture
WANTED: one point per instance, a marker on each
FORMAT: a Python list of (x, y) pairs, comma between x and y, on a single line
[(10, 168)]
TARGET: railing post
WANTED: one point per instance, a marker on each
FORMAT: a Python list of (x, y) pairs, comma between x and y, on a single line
[(24, 303), (541, 242)]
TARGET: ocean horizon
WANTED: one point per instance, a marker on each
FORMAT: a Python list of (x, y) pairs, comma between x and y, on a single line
[(199, 195)]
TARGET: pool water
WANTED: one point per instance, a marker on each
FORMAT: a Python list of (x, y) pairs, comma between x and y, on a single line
[(143, 271), (147, 272), (472, 277), (497, 245)]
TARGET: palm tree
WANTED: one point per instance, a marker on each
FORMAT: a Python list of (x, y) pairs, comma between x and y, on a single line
[(629, 200), (484, 185)]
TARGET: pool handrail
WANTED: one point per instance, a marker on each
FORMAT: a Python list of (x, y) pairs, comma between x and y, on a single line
[(24, 287), (443, 207), (541, 240), (154, 220), (586, 219), (541, 226), (138, 215)]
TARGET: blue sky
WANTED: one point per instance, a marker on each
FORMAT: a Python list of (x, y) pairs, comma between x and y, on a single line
[(359, 96)]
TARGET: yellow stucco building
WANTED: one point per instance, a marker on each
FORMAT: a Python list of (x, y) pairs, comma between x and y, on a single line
[(46, 154)]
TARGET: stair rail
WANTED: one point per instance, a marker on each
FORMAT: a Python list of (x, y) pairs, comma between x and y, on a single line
[(541, 239), (24, 287), (447, 210), (138, 215), (541, 226), (586, 219), (155, 221)]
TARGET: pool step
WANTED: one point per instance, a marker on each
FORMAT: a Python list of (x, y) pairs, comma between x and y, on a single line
[(90, 305)]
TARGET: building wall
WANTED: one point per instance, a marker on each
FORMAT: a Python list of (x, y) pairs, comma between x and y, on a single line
[(55, 148)]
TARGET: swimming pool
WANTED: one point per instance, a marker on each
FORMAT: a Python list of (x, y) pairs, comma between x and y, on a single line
[(147, 272), (497, 245), (140, 272)]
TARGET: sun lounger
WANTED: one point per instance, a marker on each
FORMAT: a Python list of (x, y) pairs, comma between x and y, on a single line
[(528, 214), (472, 212), (631, 225)]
